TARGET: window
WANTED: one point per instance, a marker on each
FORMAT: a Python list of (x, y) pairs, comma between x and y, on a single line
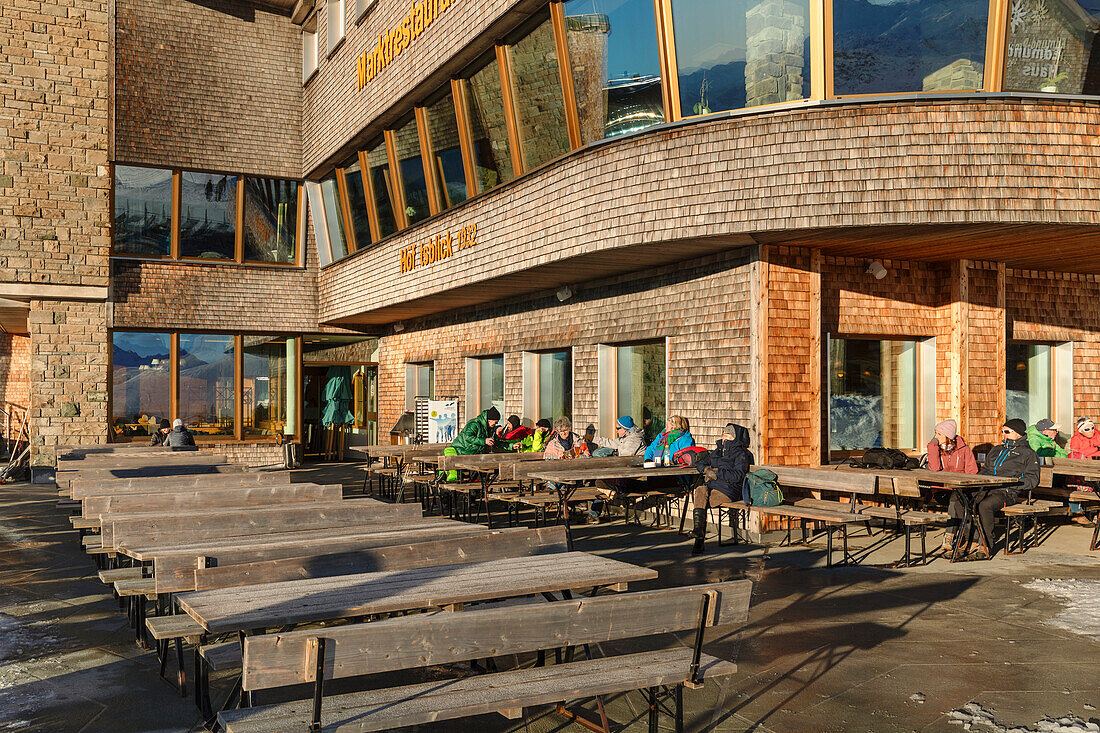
[(1030, 385), (208, 215), (485, 109), (362, 6), (881, 393), (379, 163), (450, 175), (140, 383), (406, 144), (909, 45), (270, 220), (309, 48), (267, 386), (740, 53), (1051, 47), (419, 382), (206, 382), (537, 96), (548, 385), (484, 384), (616, 72), (632, 382), (334, 218), (143, 211), (357, 202), (334, 23)]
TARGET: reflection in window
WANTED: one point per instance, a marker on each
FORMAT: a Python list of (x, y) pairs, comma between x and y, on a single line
[(270, 219), (555, 385), (490, 383), (206, 402), (908, 45), (1052, 47), (334, 218), (740, 53), (419, 382), (450, 176), (140, 383), (265, 390), (208, 215), (1029, 382), (536, 89), (485, 108), (640, 384), (873, 389), (357, 202), (143, 211), (406, 142), (379, 165), (616, 72)]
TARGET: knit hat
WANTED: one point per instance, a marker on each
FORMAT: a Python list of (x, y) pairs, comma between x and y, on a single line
[(544, 423), (1047, 424), (626, 422), (513, 420), (1016, 425), (164, 424), (492, 413), (1083, 423), (948, 427)]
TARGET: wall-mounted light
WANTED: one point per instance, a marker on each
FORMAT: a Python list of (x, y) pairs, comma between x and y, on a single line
[(398, 326), (564, 293), (877, 270)]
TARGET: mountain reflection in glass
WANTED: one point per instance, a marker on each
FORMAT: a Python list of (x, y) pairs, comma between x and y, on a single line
[(616, 70), (143, 211), (140, 383), (207, 393)]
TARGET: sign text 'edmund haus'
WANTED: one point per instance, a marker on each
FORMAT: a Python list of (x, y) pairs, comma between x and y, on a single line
[(438, 247)]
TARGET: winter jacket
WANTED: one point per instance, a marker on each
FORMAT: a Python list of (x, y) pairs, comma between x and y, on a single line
[(656, 448), (158, 438), (471, 439), (1014, 458), (535, 442), (1082, 446), (517, 435), (731, 460), (960, 460), (178, 438), (630, 444), (1044, 446), (555, 448)]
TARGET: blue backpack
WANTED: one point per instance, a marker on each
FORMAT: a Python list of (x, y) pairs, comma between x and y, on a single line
[(761, 488)]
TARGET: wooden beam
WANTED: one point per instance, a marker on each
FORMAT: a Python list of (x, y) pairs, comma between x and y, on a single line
[(818, 440)]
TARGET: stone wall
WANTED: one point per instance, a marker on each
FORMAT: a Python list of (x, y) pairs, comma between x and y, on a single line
[(775, 63)]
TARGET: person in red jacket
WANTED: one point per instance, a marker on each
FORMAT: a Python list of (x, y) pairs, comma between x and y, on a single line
[(947, 451), (1085, 442)]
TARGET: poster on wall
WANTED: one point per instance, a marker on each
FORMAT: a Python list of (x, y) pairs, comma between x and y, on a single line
[(442, 420)]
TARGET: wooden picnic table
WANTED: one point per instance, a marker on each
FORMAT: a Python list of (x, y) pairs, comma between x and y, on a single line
[(908, 482), (259, 607)]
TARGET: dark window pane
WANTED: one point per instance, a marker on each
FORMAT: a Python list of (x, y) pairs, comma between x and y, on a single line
[(270, 219), (616, 71), (143, 211), (140, 382), (555, 385), (1052, 47), (406, 142), (334, 218), (485, 107), (536, 86), (264, 385), (741, 53), (874, 392), (206, 383), (208, 215), (357, 203), (383, 189), (908, 45), (448, 170)]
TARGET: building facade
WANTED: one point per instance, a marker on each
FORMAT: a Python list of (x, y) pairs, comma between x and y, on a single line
[(834, 221)]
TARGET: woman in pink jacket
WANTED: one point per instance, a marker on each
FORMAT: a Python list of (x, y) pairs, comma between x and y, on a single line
[(947, 451)]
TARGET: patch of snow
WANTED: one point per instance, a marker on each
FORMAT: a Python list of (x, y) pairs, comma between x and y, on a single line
[(973, 714), (1081, 614), (917, 697), (22, 644)]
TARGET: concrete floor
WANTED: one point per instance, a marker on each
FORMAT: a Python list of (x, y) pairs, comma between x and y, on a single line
[(941, 648)]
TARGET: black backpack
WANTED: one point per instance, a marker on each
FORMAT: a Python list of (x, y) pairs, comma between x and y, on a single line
[(887, 458)]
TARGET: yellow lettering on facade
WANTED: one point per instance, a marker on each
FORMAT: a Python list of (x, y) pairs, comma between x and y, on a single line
[(437, 248), (397, 38)]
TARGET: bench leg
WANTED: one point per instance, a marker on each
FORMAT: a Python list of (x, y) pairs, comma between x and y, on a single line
[(829, 545), (181, 673), (679, 709), (1021, 536), (652, 710), (1093, 546)]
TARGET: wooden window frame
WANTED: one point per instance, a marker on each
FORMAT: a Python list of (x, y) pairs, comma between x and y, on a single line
[(504, 70), (238, 217), (368, 194), (436, 200), (565, 74), (465, 135), (173, 218), (350, 237), (299, 225)]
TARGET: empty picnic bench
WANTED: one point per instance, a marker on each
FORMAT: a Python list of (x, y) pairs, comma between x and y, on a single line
[(228, 496), (81, 489), (411, 642), (398, 455)]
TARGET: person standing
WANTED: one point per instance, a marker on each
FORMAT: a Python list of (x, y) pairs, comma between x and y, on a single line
[(729, 462), (1041, 437), (947, 451)]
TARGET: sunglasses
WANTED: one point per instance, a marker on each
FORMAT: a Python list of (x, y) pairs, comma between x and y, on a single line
[(1006, 431)]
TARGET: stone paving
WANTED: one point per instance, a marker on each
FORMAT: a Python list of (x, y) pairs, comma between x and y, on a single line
[(977, 646)]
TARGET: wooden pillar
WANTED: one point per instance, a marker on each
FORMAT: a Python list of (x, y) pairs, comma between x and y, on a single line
[(819, 445)]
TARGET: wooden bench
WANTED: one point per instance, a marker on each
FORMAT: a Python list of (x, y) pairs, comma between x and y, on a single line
[(907, 519), (82, 489), (190, 498), (832, 521), (411, 642), (1089, 497), (1018, 516)]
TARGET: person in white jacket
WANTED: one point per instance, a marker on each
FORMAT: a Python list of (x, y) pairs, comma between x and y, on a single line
[(629, 439)]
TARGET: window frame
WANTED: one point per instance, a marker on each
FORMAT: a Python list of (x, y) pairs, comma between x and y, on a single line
[(607, 380), (362, 7), (1061, 382), (172, 216), (311, 49), (532, 379), (474, 366), (413, 367), (341, 12)]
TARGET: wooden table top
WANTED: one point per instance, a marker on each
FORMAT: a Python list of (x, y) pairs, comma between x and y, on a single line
[(318, 599), (380, 451), (574, 475), (942, 478)]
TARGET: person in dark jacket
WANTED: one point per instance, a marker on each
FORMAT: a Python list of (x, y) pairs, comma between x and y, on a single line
[(161, 434), (729, 462), (1013, 457), (180, 436)]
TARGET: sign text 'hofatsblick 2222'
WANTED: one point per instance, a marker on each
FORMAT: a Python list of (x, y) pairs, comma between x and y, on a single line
[(438, 247)]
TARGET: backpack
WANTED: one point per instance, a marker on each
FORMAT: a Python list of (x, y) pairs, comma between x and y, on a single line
[(888, 458), (688, 456), (761, 488)]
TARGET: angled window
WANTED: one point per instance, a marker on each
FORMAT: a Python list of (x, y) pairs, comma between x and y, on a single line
[(334, 23), (537, 96), (382, 184), (414, 187), (450, 175), (334, 218), (357, 202), (309, 48), (143, 211), (489, 130)]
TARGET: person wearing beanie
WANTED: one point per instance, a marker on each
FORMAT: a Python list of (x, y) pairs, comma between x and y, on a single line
[(161, 434), (514, 431), (947, 451), (629, 439), (1041, 437), (537, 440), (729, 462), (477, 436), (179, 436)]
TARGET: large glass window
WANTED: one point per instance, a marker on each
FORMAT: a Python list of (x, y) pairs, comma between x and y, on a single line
[(536, 91), (143, 211), (484, 384), (334, 20), (266, 390), (616, 71), (1052, 47), (419, 382), (270, 219), (206, 383), (908, 45), (208, 215), (357, 202), (1029, 383), (334, 218), (406, 142), (485, 109), (640, 384), (555, 385), (379, 164), (140, 383), (741, 53), (450, 175), (874, 391)]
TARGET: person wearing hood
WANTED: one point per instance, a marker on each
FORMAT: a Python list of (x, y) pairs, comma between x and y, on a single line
[(676, 436), (179, 436), (1041, 437), (477, 436), (539, 437), (947, 451), (730, 462), (1013, 457), (161, 434), (628, 441)]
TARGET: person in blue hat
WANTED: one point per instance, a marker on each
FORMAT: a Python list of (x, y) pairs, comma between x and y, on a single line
[(629, 440)]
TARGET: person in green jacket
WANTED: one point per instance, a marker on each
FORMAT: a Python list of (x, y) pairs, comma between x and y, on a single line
[(536, 441), (478, 436), (1040, 437)]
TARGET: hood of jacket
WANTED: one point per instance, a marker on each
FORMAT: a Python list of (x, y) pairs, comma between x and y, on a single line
[(740, 437), (1034, 436)]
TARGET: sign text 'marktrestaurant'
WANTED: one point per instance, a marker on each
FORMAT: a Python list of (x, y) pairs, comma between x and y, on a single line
[(437, 248), (395, 40)]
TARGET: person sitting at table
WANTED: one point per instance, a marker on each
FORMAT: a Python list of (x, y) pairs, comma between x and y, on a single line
[(947, 451), (728, 463), (1013, 457), (1041, 437), (158, 437), (651, 426), (539, 437), (628, 441), (513, 431), (564, 443), (1085, 442), (477, 436), (676, 436)]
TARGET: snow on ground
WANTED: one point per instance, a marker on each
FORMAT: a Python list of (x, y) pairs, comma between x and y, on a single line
[(973, 716), (1081, 614), (22, 644)]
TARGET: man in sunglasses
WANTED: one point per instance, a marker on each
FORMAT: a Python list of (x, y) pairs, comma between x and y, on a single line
[(1013, 457)]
